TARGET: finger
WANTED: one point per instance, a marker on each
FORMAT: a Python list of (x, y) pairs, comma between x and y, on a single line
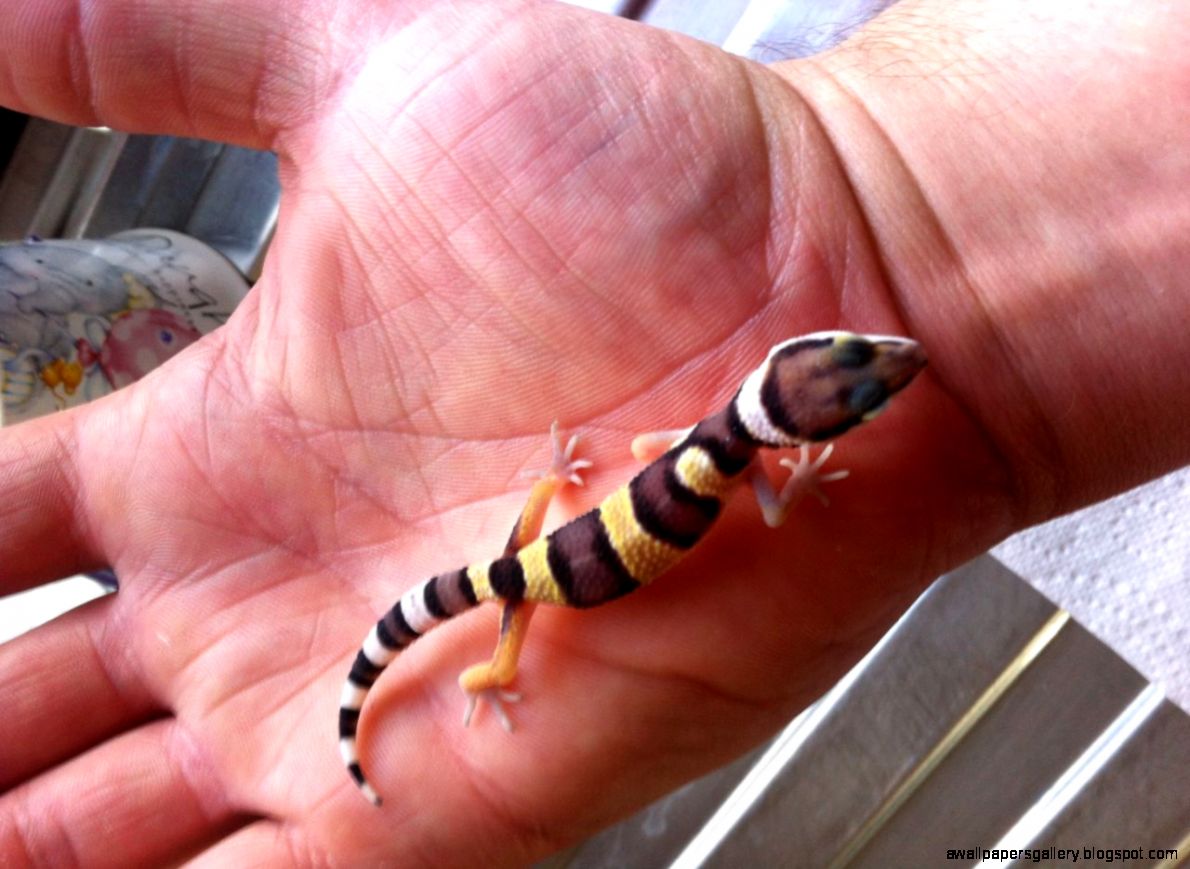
[(262, 843), (43, 532), (214, 69), (138, 799), (66, 688)]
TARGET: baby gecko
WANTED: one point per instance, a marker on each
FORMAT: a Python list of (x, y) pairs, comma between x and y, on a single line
[(807, 390)]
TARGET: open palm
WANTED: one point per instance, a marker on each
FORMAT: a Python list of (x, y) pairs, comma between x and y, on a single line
[(494, 215)]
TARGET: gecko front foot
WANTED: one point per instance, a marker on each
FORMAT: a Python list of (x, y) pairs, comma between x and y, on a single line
[(805, 478), (650, 446)]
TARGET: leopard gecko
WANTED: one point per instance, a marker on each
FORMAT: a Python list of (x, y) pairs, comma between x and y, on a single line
[(808, 389)]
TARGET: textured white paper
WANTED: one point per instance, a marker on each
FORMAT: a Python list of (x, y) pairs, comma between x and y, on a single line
[(1122, 569)]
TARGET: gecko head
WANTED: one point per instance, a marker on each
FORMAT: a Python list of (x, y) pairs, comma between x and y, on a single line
[(816, 387)]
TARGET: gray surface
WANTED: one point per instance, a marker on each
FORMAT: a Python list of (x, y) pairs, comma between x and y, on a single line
[(765, 30), (659, 833), (1138, 789), (66, 182), (1058, 708), (710, 22), (611, 7), (986, 718)]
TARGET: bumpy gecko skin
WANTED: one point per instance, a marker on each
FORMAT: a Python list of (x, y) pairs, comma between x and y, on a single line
[(807, 390)]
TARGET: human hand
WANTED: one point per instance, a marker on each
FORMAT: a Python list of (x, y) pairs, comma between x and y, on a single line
[(495, 214)]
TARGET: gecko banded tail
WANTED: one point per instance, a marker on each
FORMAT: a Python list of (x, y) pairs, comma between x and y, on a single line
[(422, 607)]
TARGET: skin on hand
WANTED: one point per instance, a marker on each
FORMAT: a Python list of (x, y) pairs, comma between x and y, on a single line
[(498, 213)]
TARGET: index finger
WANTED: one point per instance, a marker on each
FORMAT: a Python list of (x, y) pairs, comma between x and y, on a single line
[(216, 69)]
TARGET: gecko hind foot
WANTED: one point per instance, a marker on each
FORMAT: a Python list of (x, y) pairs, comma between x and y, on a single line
[(563, 465), (494, 697)]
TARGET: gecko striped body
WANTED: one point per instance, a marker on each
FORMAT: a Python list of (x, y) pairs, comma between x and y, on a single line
[(808, 389)]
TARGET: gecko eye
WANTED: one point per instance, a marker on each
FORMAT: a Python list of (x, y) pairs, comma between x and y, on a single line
[(867, 397)]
